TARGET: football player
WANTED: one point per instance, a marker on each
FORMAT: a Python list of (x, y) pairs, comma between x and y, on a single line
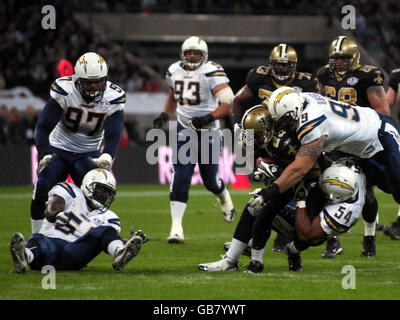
[(81, 111), (325, 125), (262, 81), (345, 79), (200, 94), (276, 148), (334, 205), (77, 227), (393, 98)]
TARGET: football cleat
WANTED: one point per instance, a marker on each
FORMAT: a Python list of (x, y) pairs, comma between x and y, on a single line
[(333, 248), (393, 231), (127, 252), (294, 260), (254, 267), (17, 248), (176, 238), (369, 250), (246, 252), (229, 216), (227, 207), (225, 264), (280, 243)]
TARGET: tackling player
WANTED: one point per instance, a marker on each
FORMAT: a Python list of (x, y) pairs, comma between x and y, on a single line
[(77, 227), (345, 79), (200, 94), (81, 111), (261, 81)]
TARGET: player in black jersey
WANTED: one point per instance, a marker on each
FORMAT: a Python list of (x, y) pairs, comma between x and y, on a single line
[(277, 148), (393, 98), (261, 81), (345, 80)]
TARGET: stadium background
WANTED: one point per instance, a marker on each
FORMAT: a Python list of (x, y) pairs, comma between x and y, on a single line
[(139, 39)]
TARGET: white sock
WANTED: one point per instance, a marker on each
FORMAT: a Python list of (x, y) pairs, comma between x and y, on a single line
[(236, 249), (36, 224), (369, 228), (30, 255), (224, 199), (177, 212), (113, 246), (377, 216), (398, 212), (257, 255)]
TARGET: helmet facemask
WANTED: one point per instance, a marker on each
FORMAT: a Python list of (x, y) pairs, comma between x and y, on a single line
[(92, 90), (282, 71), (100, 196)]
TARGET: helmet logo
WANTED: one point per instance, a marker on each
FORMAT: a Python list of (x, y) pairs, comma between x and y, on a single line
[(262, 122), (82, 61), (339, 184), (279, 97)]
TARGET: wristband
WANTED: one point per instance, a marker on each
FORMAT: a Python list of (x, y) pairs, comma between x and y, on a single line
[(301, 204)]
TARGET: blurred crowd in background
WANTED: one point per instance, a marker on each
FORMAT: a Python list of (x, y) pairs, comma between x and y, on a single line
[(30, 55)]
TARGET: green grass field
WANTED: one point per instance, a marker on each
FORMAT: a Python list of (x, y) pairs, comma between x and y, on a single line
[(169, 272)]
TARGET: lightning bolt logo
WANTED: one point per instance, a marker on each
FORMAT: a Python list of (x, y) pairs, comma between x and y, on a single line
[(335, 182), (279, 97)]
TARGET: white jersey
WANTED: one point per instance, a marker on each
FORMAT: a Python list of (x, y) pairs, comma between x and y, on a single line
[(193, 90), (82, 219), (340, 217), (350, 129), (81, 126)]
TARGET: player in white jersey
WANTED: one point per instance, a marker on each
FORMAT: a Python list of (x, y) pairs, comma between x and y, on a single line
[(335, 205), (82, 110), (325, 125), (77, 227), (200, 94)]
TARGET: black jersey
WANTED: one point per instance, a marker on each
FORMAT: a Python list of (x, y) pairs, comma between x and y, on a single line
[(352, 87), (394, 79), (262, 83), (282, 147)]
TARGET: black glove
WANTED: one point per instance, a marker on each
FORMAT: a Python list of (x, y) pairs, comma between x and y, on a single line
[(197, 123), (159, 122), (301, 191)]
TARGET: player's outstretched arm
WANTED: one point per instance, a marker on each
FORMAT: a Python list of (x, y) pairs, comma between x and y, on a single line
[(377, 98)]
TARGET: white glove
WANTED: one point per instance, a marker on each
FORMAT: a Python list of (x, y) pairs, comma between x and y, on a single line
[(103, 162), (257, 202), (44, 162), (267, 171), (62, 219)]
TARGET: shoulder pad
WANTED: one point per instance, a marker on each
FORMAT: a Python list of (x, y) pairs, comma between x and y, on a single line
[(323, 70), (173, 67), (62, 85), (395, 71), (212, 69), (67, 187), (114, 94)]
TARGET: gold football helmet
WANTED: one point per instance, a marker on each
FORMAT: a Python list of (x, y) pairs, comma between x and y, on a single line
[(258, 119), (283, 62), (344, 55)]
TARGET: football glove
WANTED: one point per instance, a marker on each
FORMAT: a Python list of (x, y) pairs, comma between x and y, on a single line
[(262, 196), (267, 171), (159, 122), (301, 192), (103, 162), (45, 161), (62, 219), (197, 123)]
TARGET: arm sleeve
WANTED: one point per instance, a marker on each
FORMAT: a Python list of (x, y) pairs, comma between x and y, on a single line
[(113, 127), (47, 121)]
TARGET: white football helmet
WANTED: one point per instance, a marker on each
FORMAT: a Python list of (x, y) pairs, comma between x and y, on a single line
[(194, 43), (99, 188), (91, 76), (339, 183), (285, 102)]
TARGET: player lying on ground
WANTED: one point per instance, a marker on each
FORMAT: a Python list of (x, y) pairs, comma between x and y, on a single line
[(78, 225), (342, 191)]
